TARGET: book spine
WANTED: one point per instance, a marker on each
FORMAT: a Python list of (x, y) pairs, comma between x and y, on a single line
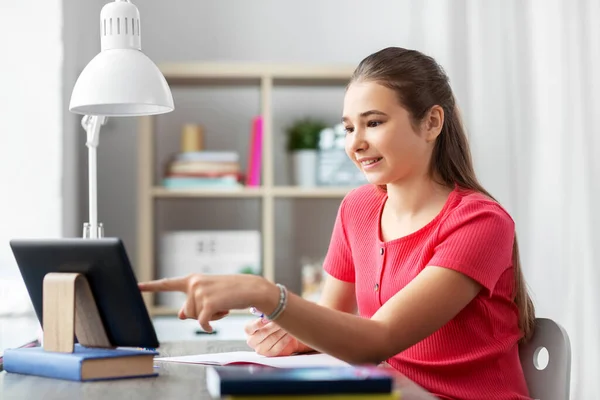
[(259, 387), (250, 161), (368, 396), (256, 151), (209, 156)]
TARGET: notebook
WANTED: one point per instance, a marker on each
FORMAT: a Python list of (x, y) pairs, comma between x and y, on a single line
[(261, 380), (250, 357)]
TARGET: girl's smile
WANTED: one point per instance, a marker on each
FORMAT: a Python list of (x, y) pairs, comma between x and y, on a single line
[(368, 163)]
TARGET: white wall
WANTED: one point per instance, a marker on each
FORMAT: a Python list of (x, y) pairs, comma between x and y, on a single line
[(30, 133)]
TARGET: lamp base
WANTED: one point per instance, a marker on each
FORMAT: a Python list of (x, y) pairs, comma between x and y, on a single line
[(87, 231)]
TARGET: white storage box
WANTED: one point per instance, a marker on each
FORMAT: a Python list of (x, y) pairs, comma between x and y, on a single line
[(206, 252)]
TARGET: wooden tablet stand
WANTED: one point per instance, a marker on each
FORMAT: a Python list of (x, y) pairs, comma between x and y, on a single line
[(69, 311)]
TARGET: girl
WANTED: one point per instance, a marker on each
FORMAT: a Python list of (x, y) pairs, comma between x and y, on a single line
[(424, 255)]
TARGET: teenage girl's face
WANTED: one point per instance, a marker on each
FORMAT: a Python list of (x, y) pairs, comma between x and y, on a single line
[(380, 138)]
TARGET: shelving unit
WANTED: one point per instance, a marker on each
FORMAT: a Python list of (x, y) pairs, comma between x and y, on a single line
[(266, 77), (280, 191)]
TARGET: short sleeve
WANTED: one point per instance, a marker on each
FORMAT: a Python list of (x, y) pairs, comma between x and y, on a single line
[(477, 240), (338, 260)]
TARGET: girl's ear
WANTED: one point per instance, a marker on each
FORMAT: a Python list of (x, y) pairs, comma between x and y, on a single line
[(433, 123)]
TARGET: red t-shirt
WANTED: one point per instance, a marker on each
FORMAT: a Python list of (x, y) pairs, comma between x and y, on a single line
[(475, 355)]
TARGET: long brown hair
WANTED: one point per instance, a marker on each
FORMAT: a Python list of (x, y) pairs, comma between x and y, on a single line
[(421, 83)]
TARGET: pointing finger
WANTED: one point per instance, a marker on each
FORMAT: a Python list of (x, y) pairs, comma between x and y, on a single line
[(165, 285)]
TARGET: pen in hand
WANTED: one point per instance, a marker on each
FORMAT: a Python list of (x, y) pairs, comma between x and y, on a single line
[(254, 311)]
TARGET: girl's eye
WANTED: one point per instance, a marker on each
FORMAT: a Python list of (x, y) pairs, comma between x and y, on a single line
[(348, 129), (373, 124)]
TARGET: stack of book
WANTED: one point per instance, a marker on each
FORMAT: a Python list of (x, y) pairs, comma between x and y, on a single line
[(340, 383), (202, 169)]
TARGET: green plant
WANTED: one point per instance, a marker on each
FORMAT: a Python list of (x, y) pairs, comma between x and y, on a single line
[(303, 134), (248, 269)]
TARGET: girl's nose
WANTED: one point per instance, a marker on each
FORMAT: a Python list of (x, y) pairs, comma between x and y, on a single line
[(357, 142)]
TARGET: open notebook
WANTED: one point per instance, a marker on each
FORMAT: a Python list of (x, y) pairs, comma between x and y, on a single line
[(250, 357)]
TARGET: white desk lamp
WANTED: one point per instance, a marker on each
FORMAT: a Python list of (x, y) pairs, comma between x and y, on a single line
[(120, 81)]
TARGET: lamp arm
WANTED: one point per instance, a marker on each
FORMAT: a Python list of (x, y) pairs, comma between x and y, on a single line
[(92, 124)]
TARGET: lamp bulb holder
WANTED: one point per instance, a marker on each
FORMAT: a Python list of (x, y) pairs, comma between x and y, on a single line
[(120, 26)]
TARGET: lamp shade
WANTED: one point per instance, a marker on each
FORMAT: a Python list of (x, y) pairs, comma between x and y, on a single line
[(121, 80)]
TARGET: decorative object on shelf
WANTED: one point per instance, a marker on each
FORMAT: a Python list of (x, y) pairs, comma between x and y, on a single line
[(192, 138), (207, 252), (313, 277), (303, 144), (334, 167), (119, 81), (255, 154), (195, 168)]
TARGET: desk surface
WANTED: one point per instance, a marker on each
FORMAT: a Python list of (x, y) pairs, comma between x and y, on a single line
[(175, 381)]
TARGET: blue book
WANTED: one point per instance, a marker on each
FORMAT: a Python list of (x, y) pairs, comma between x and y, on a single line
[(201, 182), (84, 364), (209, 156), (256, 380)]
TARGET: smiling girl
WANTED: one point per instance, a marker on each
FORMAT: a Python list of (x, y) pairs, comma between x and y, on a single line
[(423, 264)]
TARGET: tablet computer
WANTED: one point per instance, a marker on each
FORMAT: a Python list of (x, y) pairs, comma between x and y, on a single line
[(105, 264)]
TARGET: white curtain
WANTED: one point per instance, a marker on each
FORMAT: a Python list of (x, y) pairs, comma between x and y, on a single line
[(527, 77), (30, 135)]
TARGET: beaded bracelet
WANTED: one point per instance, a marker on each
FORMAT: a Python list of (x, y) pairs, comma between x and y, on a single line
[(282, 303)]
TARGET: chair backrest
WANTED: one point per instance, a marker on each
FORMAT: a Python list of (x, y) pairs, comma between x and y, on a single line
[(552, 382)]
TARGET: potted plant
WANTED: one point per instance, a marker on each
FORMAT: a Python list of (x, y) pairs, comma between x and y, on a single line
[(303, 144)]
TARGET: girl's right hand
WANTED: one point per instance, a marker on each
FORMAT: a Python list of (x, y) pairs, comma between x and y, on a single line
[(268, 339)]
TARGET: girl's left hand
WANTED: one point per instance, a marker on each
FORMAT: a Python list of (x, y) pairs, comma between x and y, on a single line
[(210, 297)]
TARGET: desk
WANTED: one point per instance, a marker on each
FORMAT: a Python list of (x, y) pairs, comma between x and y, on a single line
[(175, 381)]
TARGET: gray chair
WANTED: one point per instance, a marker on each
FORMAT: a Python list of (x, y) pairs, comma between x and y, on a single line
[(553, 381)]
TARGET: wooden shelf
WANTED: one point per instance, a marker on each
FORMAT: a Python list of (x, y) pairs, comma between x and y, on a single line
[(162, 192), (180, 72), (159, 311), (317, 192), (278, 191)]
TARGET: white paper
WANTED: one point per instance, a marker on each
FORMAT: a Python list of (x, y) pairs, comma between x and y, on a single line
[(250, 357)]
